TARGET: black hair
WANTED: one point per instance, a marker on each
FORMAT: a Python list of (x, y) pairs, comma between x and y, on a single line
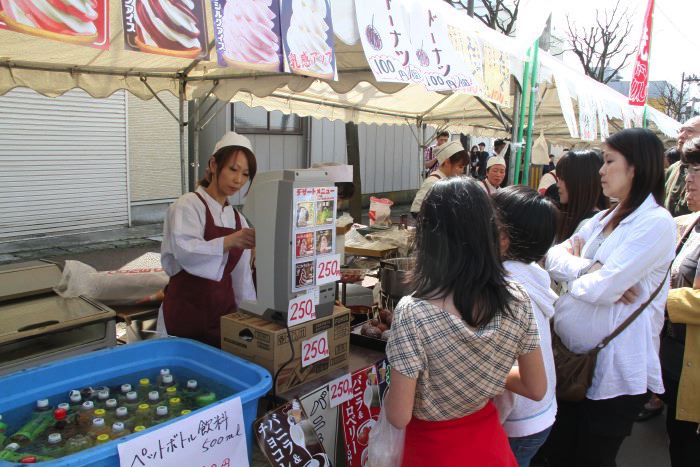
[(530, 221), (460, 156), (222, 156), (443, 134), (457, 251), (499, 142), (482, 144), (691, 151), (672, 155), (644, 151)]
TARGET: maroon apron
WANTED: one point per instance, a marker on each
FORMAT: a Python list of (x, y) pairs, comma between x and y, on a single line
[(193, 306)]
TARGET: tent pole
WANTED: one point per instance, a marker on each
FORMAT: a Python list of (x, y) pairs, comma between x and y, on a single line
[(514, 130), (521, 121), (195, 145), (183, 146), (531, 112)]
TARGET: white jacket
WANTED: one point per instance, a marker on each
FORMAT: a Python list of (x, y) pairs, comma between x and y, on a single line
[(522, 416), (638, 252)]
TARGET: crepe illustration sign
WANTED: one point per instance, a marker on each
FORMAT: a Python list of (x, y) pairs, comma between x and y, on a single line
[(307, 30), (82, 22), (176, 28), (496, 75), (287, 437), (470, 50), (248, 34)]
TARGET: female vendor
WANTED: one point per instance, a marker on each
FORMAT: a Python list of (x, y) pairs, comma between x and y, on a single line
[(206, 247)]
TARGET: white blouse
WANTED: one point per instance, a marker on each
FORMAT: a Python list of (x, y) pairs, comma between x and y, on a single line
[(184, 246), (637, 253)]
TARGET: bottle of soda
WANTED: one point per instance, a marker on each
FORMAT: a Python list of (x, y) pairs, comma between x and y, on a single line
[(125, 389), (163, 372), (185, 412), (76, 400), (205, 399), (118, 430), (175, 406), (154, 397), (144, 388), (8, 451), (78, 443), (98, 427), (166, 381), (10, 454), (122, 415), (3, 431), (101, 439), (85, 415), (62, 424), (40, 420), (102, 397), (110, 409), (53, 447), (170, 392), (143, 415), (101, 413), (131, 401), (191, 391), (139, 428), (161, 415)]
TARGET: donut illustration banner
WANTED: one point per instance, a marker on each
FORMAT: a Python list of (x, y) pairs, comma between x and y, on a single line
[(166, 27), (248, 34), (307, 30), (81, 22)]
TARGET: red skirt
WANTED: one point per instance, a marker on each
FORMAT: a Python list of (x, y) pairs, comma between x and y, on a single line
[(476, 440)]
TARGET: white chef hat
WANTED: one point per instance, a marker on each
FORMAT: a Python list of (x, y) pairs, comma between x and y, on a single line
[(495, 160), (447, 150), (231, 138)]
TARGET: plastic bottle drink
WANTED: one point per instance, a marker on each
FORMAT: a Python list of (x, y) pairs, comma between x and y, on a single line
[(144, 388), (86, 414), (139, 428), (161, 415), (40, 420), (3, 431), (101, 413), (10, 454), (118, 430), (8, 451), (205, 399), (62, 425), (53, 446), (191, 391), (154, 398), (76, 400), (171, 392), (131, 401), (175, 406), (163, 372), (78, 443), (110, 409), (98, 427), (166, 381), (122, 415), (143, 415), (102, 397), (124, 389), (185, 412), (101, 439)]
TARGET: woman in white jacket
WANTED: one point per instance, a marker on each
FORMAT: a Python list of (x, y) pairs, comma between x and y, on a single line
[(529, 225), (612, 266)]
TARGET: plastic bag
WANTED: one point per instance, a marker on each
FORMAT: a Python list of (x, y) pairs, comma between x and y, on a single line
[(385, 448), (123, 287), (540, 151), (380, 212)]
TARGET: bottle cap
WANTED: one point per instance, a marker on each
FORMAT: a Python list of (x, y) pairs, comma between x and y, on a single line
[(164, 371), (60, 414), (206, 399), (103, 394), (144, 407), (167, 379), (131, 396), (117, 427), (126, 388), (171, 390), (111, 403), (54, 438), (99, 421), (103, 438), (100, 413), (75, 396), (122, 412), (144, 381), (28, 460), (12, 447), (42, 403), (192, 384), (139, 428), (175, 401), (153, 396), (64, 405), (186, 412), (161, 411), (88, 405)]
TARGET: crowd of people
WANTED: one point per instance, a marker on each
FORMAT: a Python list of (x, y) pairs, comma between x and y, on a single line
[(606, 258)]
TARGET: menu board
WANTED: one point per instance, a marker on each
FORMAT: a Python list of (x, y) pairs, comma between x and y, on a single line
[(314, 237)]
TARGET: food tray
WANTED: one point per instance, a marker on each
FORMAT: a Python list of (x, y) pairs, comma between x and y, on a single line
[(363, 341)]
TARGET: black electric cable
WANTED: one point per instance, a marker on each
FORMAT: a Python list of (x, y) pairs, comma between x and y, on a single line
[(279, 370)]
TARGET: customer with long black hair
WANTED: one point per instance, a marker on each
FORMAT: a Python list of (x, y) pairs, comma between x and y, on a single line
[(455, 340), (624, 258)]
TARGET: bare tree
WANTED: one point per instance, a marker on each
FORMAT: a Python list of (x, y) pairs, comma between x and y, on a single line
[(675, 101), (500, 15), (602, 48)]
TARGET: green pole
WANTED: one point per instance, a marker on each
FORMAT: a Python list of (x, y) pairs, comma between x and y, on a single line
[(531, 112), (521, 121)]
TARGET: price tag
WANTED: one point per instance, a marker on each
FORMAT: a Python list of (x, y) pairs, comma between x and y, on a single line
[(301, 309), (315, 349), (327, 269), (341, 390)]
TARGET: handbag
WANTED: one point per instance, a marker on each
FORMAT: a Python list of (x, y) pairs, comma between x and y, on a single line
[(575, 371)]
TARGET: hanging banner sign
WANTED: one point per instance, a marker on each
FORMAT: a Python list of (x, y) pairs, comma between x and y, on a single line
[(566, 105), (323, 417), (248, 34), (603, 121), (496, 75), (287, 437), (470, 49), (640, 78), (307, 29), (83, 22), (587, 117), (179, 31), (314, 237), (385, 41)]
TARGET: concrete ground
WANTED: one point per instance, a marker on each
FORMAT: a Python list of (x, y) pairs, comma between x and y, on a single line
[(108, 250)]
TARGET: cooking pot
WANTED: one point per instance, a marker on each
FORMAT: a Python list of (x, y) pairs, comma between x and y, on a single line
[(392, 276)]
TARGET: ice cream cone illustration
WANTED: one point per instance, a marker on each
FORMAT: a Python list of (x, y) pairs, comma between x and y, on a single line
[(307, 40), (167, 27), (65, 20), (250, 37)]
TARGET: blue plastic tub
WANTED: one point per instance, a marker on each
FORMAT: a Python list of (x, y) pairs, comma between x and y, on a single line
[(234, 376)]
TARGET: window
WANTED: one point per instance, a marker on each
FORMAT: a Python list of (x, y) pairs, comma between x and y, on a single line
[(260, 121)]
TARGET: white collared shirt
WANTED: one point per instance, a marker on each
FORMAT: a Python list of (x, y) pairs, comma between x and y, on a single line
[(637, 253), (184, 246), (429, 181)]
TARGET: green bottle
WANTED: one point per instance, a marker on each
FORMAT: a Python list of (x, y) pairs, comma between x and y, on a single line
[(41, 419), (10, 454), (205, 399)]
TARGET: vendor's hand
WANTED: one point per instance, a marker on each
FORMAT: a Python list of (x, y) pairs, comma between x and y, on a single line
[(629, 296), (243, 239), (574, 246)]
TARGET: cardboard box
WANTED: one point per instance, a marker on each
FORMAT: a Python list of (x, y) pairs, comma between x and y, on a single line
[(266, 343)]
